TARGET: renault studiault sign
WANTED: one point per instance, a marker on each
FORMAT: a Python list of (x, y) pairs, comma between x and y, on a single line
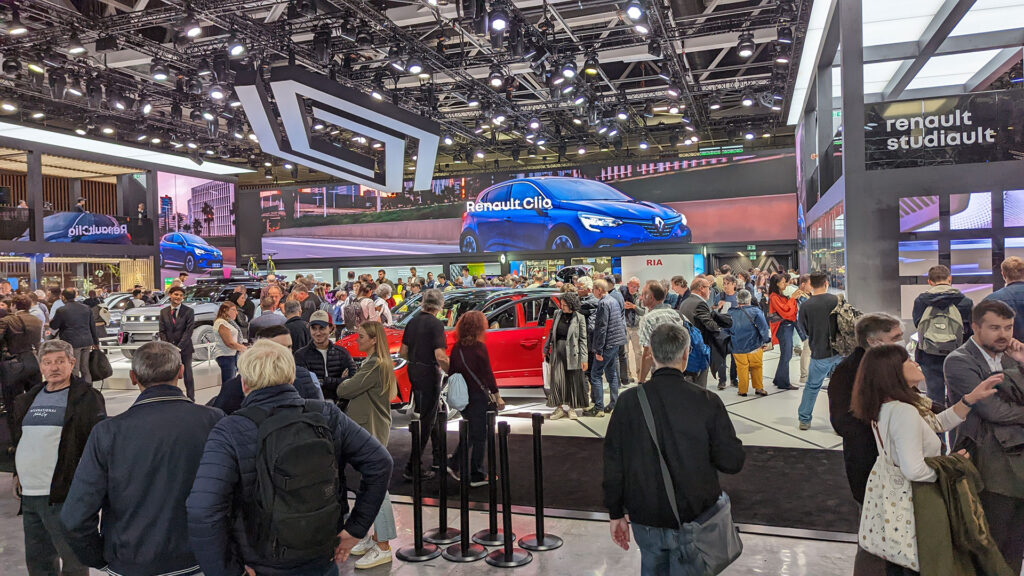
[(982, 127), (294, 90)]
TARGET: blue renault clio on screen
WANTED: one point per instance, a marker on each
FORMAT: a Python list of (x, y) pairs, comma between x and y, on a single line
[(189, 252), (559, 213)]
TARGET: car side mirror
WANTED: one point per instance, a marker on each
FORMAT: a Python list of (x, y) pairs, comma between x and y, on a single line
[(540, 211)]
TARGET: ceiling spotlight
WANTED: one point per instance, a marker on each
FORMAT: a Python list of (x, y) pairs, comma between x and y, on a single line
[(622, 113), (643, 145), (613, 131), (195, 86), (114, 99), (569, 69), (781, 55), (216, 91), (747, 99), (776, 106), (745, 46), (38, 115), (204, 69), (12, 66), (141, 136), (190, 26), (377, 92), (541, 141), (649, 110), (34, 65), (673, 89), (233, 101), (415, 65), (674, 108), (766, 134), (209, 114), (635, 10), (156, 139), (748, 134), (642, 27), (498, 118), (479, 127), (158, 70), (75, 45), (577, 120), (74, 86), (654, 48), (496, 78), (499, 18), (235, 46), (581, 98), (534, 123), (568, 88), (145, 106), (318, 126), (448, 140), (8, 106), (58, 83), (785, 35), (715, 102), (107, 129), (472, 100), (268, 173), (590, 66), (602, 128), (581, 150), (479, 153)]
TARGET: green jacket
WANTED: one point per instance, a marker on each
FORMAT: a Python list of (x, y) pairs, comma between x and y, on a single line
[(953, 537)]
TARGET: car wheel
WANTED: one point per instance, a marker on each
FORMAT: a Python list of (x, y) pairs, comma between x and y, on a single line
[(162, 263), (127, 353), (563, 239), (190, 263), (468, 243), (201, 336)]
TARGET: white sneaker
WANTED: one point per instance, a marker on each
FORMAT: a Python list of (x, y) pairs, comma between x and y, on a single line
[(558, 413), (374, 557), (363, 546)]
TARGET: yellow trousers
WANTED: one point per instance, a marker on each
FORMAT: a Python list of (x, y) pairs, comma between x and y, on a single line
[(748, 369)]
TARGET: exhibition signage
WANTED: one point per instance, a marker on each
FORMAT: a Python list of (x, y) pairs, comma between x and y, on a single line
[(983, 127)]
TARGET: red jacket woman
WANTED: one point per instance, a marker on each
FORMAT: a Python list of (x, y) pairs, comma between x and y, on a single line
[(784, 307)]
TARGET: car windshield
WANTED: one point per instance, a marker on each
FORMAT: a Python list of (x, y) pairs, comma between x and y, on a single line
[(193, 239), (570, 189), (205, 294), (455, 305)]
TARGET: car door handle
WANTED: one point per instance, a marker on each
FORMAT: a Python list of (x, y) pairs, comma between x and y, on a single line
[(529, 343)]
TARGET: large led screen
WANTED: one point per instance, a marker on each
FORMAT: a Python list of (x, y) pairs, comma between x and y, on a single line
[(196, 223), (609, 207)]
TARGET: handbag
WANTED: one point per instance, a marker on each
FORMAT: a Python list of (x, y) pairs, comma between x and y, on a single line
[(887, 526), (545, 368), (99, 365), (713, 533), (492, 398)]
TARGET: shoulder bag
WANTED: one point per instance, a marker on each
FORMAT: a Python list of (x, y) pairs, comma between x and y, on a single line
[(713, 534), (491, 398), (887, 526)]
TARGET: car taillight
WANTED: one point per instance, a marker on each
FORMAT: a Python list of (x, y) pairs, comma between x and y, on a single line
[(464, 214)]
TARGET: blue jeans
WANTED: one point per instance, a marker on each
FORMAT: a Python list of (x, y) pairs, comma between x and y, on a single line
[(819, 369), (608, 366), (228, 367), (785, 337), (661, 555), (934, 377)]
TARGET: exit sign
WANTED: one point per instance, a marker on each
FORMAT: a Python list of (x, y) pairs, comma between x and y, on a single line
[(752, 247)]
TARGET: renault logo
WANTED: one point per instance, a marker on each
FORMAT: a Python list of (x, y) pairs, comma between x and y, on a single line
[(659, 224)]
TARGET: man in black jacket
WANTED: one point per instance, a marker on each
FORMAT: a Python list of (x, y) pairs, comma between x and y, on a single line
[(710, 323), (20, 333), (176, 324), (298, 327), (331, 363), (153, 449), (697, 439), (52, 422), (74, 323), (939, 297)]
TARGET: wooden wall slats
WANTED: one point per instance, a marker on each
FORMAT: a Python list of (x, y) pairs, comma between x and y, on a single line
[(102, 196)]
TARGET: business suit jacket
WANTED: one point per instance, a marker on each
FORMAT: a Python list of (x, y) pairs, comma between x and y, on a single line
[(710, 324), (74, 325), (178, 332), (995, 417)]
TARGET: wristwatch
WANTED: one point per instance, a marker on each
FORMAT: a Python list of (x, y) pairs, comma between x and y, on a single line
[(966, 403)]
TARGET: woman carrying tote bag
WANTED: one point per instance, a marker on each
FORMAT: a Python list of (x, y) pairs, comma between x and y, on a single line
[(906, 431), (565, 355)]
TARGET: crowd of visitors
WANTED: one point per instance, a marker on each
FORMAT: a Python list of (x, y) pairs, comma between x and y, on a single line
[(294, 403)]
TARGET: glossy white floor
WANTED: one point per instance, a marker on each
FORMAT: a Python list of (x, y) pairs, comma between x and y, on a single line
[(763, 421)]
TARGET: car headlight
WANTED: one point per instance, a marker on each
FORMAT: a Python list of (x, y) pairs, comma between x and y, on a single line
[(594, 222), (682, 219)]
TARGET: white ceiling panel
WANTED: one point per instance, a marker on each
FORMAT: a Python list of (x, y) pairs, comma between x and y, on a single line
[(951, 70), (991, 16), (889, 21), (876, 76)]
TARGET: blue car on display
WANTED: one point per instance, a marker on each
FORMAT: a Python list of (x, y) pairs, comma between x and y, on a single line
[(190, 252), (559, 213)]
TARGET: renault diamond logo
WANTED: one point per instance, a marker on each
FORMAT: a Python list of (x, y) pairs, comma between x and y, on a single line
[(295, 89), (659, 224)]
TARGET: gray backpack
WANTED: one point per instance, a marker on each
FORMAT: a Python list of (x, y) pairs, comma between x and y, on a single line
[(941, 330)]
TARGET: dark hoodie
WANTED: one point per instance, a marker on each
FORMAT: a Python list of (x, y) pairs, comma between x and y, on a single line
[(943, 296)]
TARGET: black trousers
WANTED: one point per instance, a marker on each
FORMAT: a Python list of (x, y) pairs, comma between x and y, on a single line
[(476, 416), (1005, 517), (426, 392), (190, 382)]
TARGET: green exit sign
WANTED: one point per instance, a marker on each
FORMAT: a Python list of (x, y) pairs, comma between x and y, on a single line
[(753, 255), (752, 247)]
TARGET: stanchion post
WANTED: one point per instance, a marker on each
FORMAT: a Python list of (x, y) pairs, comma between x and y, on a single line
[(508, 556), (492, 536), (539, 542), (443, 534), (419, 551), (464, 551)]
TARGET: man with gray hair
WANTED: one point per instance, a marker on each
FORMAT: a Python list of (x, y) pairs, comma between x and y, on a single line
[(138, 468), (425, 347), (609, 336), (269, 316), (698, 441), (51, 423)]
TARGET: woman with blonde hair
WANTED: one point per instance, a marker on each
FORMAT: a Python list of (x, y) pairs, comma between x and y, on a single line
[(369, 392)]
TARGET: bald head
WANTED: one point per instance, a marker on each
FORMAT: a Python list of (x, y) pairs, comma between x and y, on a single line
[(701, 287)]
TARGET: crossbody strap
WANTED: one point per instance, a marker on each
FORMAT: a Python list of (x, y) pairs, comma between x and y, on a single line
[(665, 476), (471, 373)]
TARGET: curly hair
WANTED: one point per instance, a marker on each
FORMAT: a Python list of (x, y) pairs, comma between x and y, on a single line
[(572, 300), (471, 327)]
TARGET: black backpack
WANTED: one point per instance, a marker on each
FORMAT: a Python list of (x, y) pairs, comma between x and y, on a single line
[(294, 511)]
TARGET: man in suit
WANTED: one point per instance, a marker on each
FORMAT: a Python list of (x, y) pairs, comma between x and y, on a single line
[(994, 429), (73, 322), (698, 311), (176, 324)]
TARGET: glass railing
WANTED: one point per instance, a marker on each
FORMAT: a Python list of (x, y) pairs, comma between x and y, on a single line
[(16, 223), (93, 228)]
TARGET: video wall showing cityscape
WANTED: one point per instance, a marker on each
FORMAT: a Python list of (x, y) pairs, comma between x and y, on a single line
[(196, 223), (610, 207)]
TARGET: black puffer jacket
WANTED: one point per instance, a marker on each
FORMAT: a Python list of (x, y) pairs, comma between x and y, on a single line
[(331, 372)]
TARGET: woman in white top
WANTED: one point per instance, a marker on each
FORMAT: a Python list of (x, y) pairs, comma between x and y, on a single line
[(226, 337), (365, 299), (885, 393), (381, 304)]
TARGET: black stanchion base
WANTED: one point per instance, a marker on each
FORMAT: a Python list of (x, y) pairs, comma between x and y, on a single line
[(486, 538), (519, 558), (442, 537), (549, 542), (411, 554), (454, 553)]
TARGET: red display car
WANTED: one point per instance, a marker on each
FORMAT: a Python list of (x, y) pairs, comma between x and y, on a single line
[(519, 324)]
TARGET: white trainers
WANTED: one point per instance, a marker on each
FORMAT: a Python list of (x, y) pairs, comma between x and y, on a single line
[(374, 557), (558, 413), (363, 546)]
